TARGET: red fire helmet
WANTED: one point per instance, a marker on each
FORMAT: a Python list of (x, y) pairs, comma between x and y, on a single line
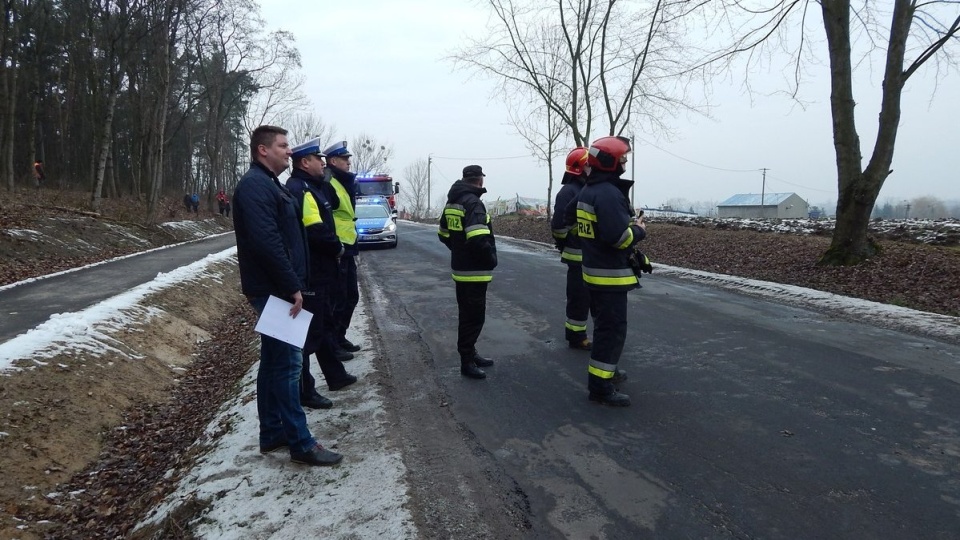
[(609, 153), (576, 159)]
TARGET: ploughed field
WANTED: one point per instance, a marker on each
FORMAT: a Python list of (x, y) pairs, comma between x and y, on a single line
[(919, 267)]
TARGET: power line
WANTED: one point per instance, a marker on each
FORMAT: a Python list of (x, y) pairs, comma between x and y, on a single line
[(800, 186), (697, 163)]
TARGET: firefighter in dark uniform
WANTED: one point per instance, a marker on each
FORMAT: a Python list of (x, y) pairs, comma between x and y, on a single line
[(565, 235), (608, 234), (465, 228), (306, 183)]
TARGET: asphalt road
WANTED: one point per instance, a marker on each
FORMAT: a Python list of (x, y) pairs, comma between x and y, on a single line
[(750, 419), (30, 304)]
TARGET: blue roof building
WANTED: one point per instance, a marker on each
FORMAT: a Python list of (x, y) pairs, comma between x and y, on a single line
[(763, 205)]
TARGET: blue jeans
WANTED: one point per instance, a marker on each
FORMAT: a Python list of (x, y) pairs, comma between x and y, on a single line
[(278, 392)]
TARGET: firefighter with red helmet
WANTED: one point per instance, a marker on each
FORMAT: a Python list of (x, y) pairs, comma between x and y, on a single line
[(608, 233), (563, 226)]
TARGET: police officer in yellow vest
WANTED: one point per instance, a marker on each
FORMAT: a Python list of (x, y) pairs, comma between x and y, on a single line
[(465, 228), (343, 185), (608, 233), (306, 184)]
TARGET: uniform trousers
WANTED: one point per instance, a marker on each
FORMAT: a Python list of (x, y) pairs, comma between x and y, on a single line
[(578, 304), (609, 310), (347, 298), (321, 340), (472, 311)]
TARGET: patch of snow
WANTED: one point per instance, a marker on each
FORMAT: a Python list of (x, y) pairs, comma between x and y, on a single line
[(87, 330), (23, 232), (884, 315), (252, 495), (38, 278)]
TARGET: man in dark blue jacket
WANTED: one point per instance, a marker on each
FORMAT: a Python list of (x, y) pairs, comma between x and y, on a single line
[(306, 184), (272, 254), (465, 228), (565, 235), (608, 233)]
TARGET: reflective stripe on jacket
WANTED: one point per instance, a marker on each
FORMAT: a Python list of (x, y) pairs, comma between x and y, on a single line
[(466, 229), (607, 233), (343, 215), (564, 230), (325, 246)]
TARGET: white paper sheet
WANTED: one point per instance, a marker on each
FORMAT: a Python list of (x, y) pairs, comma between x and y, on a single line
[(276, 322)]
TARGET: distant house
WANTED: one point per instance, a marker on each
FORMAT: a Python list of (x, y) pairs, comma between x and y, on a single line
[(766, 205)]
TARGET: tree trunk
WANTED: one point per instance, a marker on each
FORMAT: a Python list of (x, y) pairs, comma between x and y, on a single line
[(858, 188), (9, 141), (104, 150), (8, 121)]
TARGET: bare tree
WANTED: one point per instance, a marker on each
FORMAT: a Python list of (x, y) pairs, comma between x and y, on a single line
[(10, 31), (303, 126), (414, 196), (150, 85), (953, 209), (907, 37), (614, 60), (236, 61), (541, 130), (369, 155), (279, 93), (928, 207)]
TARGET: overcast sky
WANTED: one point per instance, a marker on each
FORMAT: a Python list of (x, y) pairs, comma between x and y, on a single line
[(379, 67)]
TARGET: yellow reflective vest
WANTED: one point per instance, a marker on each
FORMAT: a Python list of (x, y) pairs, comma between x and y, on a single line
[(343, 214)]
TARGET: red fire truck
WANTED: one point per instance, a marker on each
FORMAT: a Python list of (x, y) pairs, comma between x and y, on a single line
[(378, 188)]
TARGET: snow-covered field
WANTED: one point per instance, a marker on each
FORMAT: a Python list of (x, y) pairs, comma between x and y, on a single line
[(927, 231)]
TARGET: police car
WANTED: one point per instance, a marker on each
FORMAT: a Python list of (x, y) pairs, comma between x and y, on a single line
[(375, 225)]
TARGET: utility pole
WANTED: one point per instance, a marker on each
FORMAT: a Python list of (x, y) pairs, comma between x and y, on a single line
[(906, 214), (763, 191), (429, 163)]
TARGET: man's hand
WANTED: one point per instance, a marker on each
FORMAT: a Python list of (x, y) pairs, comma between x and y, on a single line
[(644, 262), (297, 304), (639, 223)]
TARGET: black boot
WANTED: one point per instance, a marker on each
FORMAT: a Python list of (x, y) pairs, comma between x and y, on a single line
[(615, 399), (315, 401), (481, 361), (348, 345), (340, 384), (472, 356), (470, 370)]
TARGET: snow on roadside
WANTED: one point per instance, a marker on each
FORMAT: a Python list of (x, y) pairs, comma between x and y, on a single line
[(137, 254), (884, 315), (926, 231), (251, 495), (88, 329)]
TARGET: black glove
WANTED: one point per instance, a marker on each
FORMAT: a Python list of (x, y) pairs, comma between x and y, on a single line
[(644, 263), (559, 243), (639, 263)]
